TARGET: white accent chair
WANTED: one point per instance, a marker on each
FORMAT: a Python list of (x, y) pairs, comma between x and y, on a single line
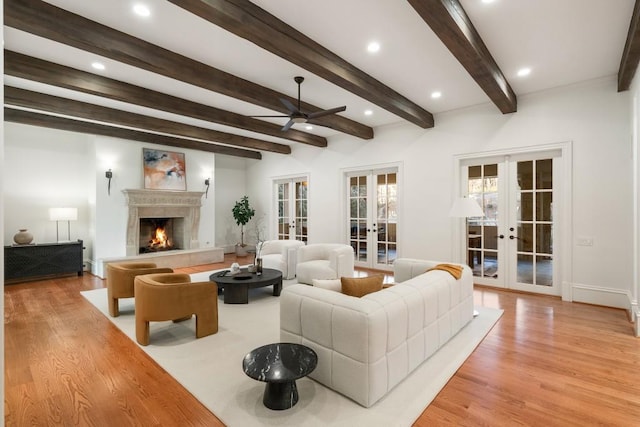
[(281, 255), (324, 261)]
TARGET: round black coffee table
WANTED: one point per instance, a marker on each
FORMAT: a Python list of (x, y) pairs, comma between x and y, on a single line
[(280, 365), (236, 288)]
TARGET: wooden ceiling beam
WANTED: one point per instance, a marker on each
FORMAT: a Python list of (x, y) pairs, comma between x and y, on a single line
[(48, 21), (450, 23), (631, 52), (72, 125), (246, 20), (53, 104), (27, 67)]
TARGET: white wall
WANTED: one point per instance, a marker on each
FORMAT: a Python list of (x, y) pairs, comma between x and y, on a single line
[(124, 158), (49, 168), (230, 187), (45, 169), (635, 130), (593, 115)]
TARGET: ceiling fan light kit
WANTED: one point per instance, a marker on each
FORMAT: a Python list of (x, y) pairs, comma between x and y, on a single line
[(296, 115)]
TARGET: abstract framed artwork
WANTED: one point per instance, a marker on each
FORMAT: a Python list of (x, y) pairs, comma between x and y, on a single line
[(164, 170)]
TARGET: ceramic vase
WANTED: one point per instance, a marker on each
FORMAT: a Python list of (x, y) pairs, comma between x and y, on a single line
[(23, 237)]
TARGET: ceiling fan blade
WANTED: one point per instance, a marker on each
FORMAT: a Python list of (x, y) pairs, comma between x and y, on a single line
[(281, 115), (289, 105), (288, 126), (326, 112)]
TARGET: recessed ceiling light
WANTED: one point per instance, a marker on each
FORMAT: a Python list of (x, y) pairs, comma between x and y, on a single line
[(373, 47), (308, 127), (141, 10), (98, 65), (368, 112), (522, 72), (436, 95), (488, 1)]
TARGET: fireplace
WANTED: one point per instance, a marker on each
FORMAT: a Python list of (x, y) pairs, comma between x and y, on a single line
[(178, 210), (160, 234)]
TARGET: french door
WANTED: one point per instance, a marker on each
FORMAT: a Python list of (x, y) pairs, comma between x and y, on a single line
[(513, 244), (372, 217), (292, 198)]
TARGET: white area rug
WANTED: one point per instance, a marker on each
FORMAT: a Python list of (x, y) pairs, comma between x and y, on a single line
[(211, 367)]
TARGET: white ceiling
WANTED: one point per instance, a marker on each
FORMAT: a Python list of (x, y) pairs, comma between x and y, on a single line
[(562, 41)]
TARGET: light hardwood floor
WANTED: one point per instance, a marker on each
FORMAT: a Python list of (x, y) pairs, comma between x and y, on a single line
[(546, 363)]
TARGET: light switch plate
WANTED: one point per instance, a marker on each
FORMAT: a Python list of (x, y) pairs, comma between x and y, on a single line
[(585, 241)]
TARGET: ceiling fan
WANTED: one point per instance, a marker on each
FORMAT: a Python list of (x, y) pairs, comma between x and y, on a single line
[(296, 115)]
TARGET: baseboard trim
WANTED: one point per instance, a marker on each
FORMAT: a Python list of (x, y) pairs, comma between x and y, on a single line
[(600, 295)]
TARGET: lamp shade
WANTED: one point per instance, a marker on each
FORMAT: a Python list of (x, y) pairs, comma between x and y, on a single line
[(63, 214), (464, 207)]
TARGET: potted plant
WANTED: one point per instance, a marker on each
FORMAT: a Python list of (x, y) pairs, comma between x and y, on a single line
[(242, 213)]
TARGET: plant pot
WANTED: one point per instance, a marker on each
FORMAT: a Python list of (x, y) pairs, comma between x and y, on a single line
[(23, 237), (241, 250)]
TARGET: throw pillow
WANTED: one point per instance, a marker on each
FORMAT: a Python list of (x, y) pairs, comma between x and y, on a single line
[(361, 286), (330, 284)]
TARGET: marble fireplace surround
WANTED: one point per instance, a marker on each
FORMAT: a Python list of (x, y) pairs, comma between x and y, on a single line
[(163, 204)]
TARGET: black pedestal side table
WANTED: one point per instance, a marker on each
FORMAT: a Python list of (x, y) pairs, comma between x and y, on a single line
[(280, 365)]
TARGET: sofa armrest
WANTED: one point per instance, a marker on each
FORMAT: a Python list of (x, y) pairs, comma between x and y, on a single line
[(341, 260), (408, 268)]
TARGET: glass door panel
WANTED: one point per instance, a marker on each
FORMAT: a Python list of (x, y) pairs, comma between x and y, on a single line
[(482, 232), (387, 218), (513, 244), (373, 217), (284, 222), (292, 201), (301, 202), (534, 192), (358, 217)]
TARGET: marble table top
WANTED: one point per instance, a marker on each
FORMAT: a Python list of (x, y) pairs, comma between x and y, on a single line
[(279, 362)]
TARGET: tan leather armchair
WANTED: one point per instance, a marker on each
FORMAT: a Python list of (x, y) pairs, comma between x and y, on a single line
[(172, 296), (120, 277)]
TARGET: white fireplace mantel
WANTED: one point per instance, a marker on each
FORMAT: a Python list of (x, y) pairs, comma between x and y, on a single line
[(163, 204)]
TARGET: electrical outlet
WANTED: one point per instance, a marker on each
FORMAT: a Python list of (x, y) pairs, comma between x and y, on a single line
[(585, 241)]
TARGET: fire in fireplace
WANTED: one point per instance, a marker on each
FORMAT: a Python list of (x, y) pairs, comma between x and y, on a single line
[(156, 234)]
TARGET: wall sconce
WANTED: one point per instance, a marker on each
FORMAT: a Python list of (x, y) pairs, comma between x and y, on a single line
[(63, 214), (108, 174), (206, 193)]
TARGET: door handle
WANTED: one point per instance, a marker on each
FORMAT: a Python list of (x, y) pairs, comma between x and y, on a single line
[(514, 237), (501, 236)]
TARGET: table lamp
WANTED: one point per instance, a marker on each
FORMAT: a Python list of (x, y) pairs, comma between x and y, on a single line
[(63, 214)]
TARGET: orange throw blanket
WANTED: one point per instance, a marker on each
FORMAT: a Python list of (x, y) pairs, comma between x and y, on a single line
[(454, 270)]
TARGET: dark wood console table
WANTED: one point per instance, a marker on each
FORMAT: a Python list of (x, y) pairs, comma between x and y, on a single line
[(23, 262)]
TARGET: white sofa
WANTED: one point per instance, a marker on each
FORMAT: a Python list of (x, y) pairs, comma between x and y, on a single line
[(281, 255), (366, 346), (324, 261)]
